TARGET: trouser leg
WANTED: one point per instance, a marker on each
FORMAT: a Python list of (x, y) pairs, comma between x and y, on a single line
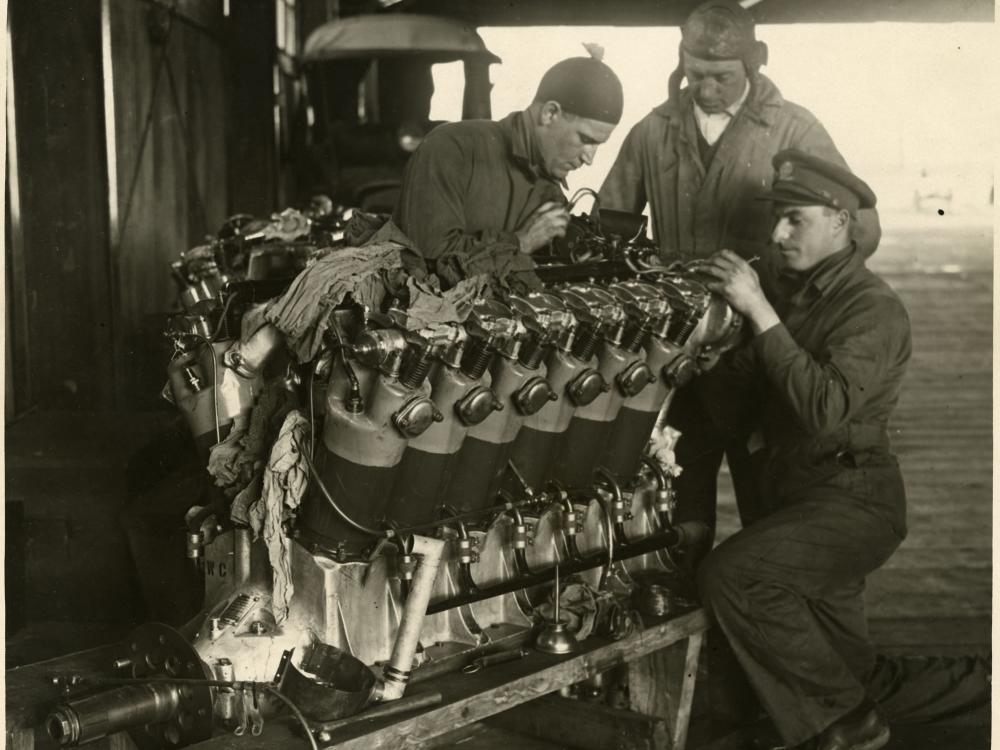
[(746, 484), (699, 452), (704, 414), (785, 593), (841, 616)]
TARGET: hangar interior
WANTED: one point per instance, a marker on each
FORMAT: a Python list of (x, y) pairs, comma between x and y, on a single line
[(163, 163)]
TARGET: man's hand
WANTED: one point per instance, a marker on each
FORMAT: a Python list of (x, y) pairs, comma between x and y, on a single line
[(548, 221), (738, 283)]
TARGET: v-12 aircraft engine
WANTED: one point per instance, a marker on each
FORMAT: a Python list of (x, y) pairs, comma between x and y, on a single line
[(451, 467)]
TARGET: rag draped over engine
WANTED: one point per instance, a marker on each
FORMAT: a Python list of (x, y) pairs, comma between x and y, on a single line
[(400, 468)]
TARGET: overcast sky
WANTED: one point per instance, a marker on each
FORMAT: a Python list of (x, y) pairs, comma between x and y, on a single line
[(895, 97)]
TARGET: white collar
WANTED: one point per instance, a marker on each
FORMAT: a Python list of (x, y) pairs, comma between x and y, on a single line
[(712, 125), (729, 111)]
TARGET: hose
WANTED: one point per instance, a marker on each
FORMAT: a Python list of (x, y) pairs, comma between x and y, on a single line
[(610, 527), (654, 466), (562, 497), (464, 568), (602, 473)]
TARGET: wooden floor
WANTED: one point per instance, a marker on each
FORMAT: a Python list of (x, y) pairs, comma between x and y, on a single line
[(934, 595)]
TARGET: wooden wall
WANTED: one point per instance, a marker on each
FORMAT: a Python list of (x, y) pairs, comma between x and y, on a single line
[(192, 143), (170, 133), (60, 316), (253, 165)]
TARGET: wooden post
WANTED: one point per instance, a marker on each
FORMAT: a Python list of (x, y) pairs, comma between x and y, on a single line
[(683, 717), (661, 685)]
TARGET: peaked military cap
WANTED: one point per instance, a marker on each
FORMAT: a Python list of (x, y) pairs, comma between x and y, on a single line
[(806, 180)]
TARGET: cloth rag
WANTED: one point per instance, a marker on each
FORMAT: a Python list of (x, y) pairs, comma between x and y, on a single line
[(283, 487)]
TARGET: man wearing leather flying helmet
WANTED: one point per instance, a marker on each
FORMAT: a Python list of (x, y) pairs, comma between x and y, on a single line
[(787, 589), (699, 161)]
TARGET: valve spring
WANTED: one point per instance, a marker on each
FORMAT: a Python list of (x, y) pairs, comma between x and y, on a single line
[(477, 358), (587, 339), (681, 327), (533, 354), (417, 369), (634, 338)]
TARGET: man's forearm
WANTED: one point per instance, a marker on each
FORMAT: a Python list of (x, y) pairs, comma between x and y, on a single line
[(763, 317)]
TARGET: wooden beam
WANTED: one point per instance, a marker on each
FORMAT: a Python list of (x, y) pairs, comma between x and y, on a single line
[(472, 698), (17, 394), (533, 682), (673, 12), (585, 726), (683, 720), (467, 698)]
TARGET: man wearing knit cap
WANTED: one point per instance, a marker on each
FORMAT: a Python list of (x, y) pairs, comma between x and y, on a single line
[(787, 589), (482, 196)]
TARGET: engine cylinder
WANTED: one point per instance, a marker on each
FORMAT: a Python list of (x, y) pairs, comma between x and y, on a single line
[(482, 459), (429, 459), (358, 456), (585, 439), (540, 435)]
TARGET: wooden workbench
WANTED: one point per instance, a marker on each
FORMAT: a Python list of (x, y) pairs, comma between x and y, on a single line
[(466, 698)]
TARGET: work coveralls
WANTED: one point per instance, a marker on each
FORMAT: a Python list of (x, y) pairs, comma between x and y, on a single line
[(701, 200), (787, 590), (467, 188)]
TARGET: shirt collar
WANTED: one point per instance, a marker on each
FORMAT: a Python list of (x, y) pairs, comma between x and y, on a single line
[(820, 278), (730, 111), (763, 102), (524, 146)]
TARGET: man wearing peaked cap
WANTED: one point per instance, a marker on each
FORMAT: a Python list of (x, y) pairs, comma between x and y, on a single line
[(787, 590), (481, 196), (804, 179), (698, 161)]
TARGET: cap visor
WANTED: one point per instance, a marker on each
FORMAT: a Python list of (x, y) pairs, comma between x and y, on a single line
[(792, 198)]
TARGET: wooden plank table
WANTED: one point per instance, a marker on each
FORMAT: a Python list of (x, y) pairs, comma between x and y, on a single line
[(467, 698)]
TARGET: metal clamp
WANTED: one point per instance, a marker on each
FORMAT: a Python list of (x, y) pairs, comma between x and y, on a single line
[(253, 711), (241, 713)]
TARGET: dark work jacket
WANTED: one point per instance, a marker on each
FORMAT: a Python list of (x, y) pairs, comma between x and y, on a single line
[(830, 375), (698, 209), (468, 187)]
